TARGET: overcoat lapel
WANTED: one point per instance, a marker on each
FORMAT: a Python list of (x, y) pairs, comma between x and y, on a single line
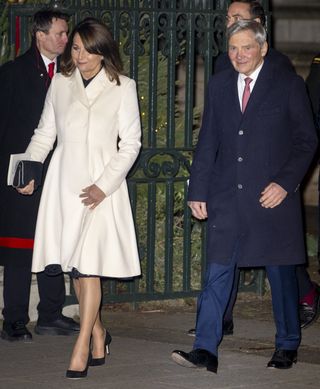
[(78, 89), (231, 93), (87, 96), (97, 86)]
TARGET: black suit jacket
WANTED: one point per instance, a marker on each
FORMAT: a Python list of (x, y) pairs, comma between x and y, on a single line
[(313, 84)]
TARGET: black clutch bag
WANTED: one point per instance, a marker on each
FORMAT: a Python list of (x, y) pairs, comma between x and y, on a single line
[(27, 171)]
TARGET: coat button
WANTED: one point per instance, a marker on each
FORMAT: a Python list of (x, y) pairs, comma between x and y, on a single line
[(241, 132), (240, 159), (240, 186)]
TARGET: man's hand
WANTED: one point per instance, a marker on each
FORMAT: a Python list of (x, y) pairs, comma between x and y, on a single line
[(199, 209), (92, 196), (27, 190), (272, 195)]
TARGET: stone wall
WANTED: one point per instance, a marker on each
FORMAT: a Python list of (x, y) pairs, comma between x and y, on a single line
[(296, 32)]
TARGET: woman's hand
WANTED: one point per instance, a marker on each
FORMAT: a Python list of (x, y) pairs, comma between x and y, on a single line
[(27, 190), (92, 196)]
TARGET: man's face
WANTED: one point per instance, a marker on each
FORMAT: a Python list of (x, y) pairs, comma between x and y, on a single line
[(54, 42), (245, 53), (238, 11)]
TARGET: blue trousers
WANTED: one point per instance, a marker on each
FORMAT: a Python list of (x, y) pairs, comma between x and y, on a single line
[(215, 295)]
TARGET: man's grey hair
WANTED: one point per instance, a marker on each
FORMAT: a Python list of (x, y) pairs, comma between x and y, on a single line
[(258, 30)]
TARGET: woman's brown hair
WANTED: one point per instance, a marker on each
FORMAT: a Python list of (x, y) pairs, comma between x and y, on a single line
[(96, 39)]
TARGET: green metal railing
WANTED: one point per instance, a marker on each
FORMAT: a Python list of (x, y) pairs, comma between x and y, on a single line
[(169, 48)]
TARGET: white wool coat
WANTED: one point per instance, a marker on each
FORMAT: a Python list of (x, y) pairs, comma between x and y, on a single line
[(98, 139)]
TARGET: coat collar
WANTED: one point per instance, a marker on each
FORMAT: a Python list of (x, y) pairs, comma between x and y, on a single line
[(33, 56), (87, 96)]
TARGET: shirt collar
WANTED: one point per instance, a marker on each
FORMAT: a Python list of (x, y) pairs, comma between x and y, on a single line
[(47, 61), (253, 75)]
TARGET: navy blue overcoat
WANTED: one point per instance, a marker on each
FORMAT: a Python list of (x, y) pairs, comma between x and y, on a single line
[(238, 155)]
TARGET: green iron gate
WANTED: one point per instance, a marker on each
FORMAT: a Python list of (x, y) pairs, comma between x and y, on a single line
[(169, 48)]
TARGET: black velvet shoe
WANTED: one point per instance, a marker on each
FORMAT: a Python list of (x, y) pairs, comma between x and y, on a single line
[(61, 326), (308, 314), (16, 332), (227, 329), (78, 374), (283, 359), (101, 361), (198, 358)]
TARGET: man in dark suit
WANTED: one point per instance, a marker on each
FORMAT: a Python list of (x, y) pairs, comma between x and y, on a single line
[(255, 145), (24, 84), (311, 298), (309, 292)]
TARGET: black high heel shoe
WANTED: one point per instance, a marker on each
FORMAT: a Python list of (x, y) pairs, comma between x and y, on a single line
[(102, 360), (76, 374)]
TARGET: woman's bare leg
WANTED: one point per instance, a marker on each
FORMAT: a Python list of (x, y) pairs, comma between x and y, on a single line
[(89, 303), (98, 336), (76, 287)]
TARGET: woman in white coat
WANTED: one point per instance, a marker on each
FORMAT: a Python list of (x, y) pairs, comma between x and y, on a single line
[(85, 223)]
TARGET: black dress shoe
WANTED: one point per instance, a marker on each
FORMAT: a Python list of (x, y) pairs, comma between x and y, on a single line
[(198, 358), (15, 331), (61, 326), (192, 332), (308, 314), (227, 329), (283, 359), (101, 361)]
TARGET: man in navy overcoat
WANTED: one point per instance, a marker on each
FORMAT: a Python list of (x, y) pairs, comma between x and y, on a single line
[(255, 145)]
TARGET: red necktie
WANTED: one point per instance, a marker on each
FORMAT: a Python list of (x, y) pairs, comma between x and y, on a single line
[(51, 69), (246, 93)]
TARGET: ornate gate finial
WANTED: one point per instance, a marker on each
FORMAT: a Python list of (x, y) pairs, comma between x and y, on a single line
[(57, 3)]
